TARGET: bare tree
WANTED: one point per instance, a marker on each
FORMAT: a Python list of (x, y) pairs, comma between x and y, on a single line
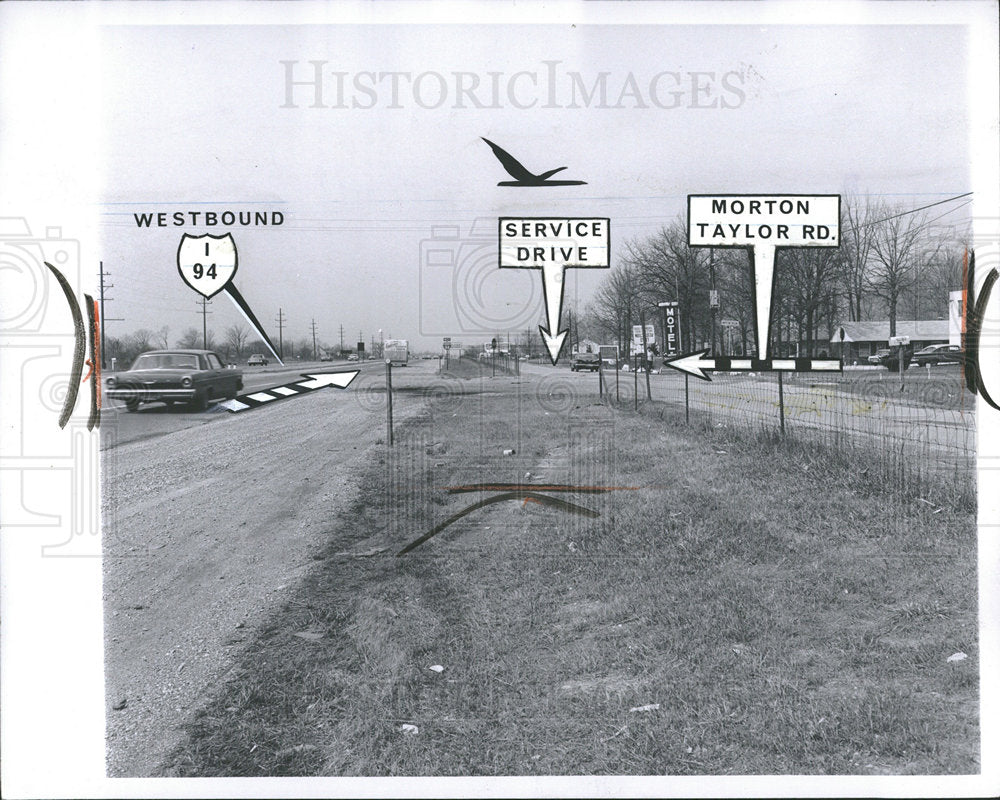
[(807, 282), (190, 339), (736, 292), (855, 253), (140, 341), (528, 338), (163, 337), (670, 269), (236, 338), (895, 241)]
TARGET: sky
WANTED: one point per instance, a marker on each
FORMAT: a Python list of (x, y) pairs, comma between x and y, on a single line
[(197, 119)]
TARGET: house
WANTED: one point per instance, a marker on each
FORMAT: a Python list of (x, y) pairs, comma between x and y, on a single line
[(855, 341), (586, 346)]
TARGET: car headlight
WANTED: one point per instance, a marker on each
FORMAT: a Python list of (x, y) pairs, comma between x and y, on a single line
[(186, 381), (111, 383)]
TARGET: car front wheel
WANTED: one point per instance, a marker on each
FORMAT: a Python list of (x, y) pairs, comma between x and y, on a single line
[(131, 406)]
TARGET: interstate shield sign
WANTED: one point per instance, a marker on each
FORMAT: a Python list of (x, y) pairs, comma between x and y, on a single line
[(207, 263)]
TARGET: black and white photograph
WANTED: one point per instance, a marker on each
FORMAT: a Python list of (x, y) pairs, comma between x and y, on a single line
[(499, 399)]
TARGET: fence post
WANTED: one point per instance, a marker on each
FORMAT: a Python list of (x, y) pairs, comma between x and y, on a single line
[(388, 399), (687, 406), (618, 369), (600, 378), (635, 380), (781, 403)]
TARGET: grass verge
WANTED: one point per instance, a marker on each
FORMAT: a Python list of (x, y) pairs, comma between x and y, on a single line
[(741, 606)]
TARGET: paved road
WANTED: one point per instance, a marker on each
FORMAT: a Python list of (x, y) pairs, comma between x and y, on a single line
[(119, 426)]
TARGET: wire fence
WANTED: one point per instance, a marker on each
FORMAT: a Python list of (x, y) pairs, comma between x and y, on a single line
[(917, 433)]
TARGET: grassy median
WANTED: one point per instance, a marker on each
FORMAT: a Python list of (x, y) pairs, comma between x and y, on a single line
[(741, 605)]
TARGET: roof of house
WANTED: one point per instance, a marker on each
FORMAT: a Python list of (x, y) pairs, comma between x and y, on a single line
[(920, 330)]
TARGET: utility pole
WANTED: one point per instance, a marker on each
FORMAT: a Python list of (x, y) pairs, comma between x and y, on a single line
[(204, 321), (315, 354), (104, 319), (281, 328), (341, 338), (714, 298)]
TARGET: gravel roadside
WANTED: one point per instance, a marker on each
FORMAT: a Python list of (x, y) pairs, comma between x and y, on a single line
[(204, 529)]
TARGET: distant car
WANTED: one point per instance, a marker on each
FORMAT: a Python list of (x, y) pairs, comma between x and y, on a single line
[(326, 357), (879, 356), (938, 354), (256, 360), (194, 377), (587, 361), (352, 357)]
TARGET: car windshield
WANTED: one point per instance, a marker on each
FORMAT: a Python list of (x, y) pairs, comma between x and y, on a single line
[(166, 361)]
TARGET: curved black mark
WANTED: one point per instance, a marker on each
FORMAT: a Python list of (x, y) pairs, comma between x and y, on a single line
[(972, 356), (542, 499), (970, 343), (78, 348)]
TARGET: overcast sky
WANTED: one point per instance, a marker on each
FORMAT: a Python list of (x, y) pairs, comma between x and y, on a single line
[(369, 184)]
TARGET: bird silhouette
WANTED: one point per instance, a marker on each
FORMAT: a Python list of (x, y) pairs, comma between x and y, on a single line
[(521, 175)]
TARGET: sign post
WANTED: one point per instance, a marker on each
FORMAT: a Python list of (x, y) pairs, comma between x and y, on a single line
[(388, 400), (553, 245)]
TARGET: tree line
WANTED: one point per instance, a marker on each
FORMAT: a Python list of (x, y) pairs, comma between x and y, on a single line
[(235, 344), (893, 263)]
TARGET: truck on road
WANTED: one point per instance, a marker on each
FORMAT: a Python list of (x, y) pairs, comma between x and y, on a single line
[(397, 352)]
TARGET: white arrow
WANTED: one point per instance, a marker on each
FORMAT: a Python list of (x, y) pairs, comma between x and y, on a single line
[(697, 364), (317, 380), (320, 379), (763, 276), (552, 286)]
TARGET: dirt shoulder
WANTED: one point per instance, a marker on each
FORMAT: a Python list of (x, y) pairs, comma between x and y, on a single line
[(205, 530)]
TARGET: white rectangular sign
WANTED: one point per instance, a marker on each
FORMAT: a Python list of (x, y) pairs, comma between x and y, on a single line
[(743, 220), (537, 242), (637, 334)]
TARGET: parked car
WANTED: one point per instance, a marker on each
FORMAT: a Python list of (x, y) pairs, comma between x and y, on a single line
[(326, 357), (194, 377), (352, 357), (938, 354), (879, 356), (256, 360), (588, 361)]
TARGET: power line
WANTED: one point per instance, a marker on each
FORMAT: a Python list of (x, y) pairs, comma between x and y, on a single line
[(921, 208)]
